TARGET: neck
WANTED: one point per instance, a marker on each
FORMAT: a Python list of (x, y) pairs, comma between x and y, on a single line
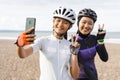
[(58, 36), (82, 35)]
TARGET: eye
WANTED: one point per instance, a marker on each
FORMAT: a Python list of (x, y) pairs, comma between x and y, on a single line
[(90, 23), (83, 22), (66, 22), (57, 20)]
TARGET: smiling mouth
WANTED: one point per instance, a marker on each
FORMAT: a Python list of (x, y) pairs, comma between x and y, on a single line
[(86, 29), (60, 29)]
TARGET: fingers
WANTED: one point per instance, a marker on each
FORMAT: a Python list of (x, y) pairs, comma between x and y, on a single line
[(102, 26), (99, 27), (76, 44), (30, 35), (76, 39), (29, 30), (72, 38), (30, 38), (26, 43), (26, 39)]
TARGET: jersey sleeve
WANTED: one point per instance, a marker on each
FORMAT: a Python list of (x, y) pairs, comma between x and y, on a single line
[(102, 52), (37, 45)]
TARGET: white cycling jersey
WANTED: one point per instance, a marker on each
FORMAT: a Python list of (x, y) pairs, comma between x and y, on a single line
[(58, 53)]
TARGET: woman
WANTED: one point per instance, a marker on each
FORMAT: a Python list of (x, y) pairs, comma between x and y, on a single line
[(89, 44), (55, 48)]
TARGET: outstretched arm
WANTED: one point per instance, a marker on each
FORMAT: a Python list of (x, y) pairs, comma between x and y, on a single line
[(24, 51), (23, 42)]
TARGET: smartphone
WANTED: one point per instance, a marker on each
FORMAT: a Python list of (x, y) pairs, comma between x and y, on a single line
[(30, 22)]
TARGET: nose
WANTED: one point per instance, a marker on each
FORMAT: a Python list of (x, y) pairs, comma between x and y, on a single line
[(60, 24), (86, 25)]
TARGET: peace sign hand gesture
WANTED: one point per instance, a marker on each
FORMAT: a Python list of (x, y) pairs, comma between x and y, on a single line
[(101, 33), (75, 46)]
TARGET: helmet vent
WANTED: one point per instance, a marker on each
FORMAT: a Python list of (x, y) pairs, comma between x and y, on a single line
[(63, 11), (70, 16), (67, 13), (56, 11), (59, 11)]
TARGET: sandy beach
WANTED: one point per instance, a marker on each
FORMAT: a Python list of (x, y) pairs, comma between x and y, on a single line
[(14, 68)]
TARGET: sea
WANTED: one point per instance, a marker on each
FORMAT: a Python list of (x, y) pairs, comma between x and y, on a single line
[(111, 37)]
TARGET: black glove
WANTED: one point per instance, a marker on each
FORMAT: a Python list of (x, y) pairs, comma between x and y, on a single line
[(101, 35)]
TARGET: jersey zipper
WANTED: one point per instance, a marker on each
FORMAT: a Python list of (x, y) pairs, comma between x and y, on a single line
[(59, 59)]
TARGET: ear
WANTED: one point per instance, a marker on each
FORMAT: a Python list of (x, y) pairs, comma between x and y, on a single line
[(53, 19), (53, 22)]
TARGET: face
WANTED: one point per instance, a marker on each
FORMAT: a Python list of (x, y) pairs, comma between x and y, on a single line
[(61, 26), (86, 25)]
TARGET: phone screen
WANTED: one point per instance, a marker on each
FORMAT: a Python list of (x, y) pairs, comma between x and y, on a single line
[(30, 22)]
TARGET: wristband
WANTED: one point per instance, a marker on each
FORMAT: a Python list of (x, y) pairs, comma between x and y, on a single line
[(100, 40)]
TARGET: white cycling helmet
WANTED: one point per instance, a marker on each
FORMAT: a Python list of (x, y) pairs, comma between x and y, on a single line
[(65, 13)]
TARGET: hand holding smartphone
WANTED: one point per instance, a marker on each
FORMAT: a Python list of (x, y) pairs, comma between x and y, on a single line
[(30, 22)]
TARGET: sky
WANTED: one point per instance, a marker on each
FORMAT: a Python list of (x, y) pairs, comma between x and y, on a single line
[(13, 13)]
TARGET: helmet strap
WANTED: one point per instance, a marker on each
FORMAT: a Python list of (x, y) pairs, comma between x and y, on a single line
[(58, 35)]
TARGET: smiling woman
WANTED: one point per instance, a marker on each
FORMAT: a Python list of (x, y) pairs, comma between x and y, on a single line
[(28, 45)]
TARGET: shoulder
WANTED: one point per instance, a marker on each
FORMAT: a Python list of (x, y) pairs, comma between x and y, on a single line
[(92, 37), (67, 42), (43, 38)]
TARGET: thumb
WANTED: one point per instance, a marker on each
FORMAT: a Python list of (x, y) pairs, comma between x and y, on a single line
[(29, 30), (76, 39)]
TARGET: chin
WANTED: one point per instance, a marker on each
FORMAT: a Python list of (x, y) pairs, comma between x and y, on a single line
[(86, 32)]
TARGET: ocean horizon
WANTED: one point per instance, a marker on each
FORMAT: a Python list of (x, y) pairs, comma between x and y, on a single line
[(111, 37)]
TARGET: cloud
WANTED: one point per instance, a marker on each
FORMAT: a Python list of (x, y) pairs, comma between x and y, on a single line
[(49, 2), (14, 13)]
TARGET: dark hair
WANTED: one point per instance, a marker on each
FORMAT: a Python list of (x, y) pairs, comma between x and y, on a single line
[(65, 35), (79, 18)]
